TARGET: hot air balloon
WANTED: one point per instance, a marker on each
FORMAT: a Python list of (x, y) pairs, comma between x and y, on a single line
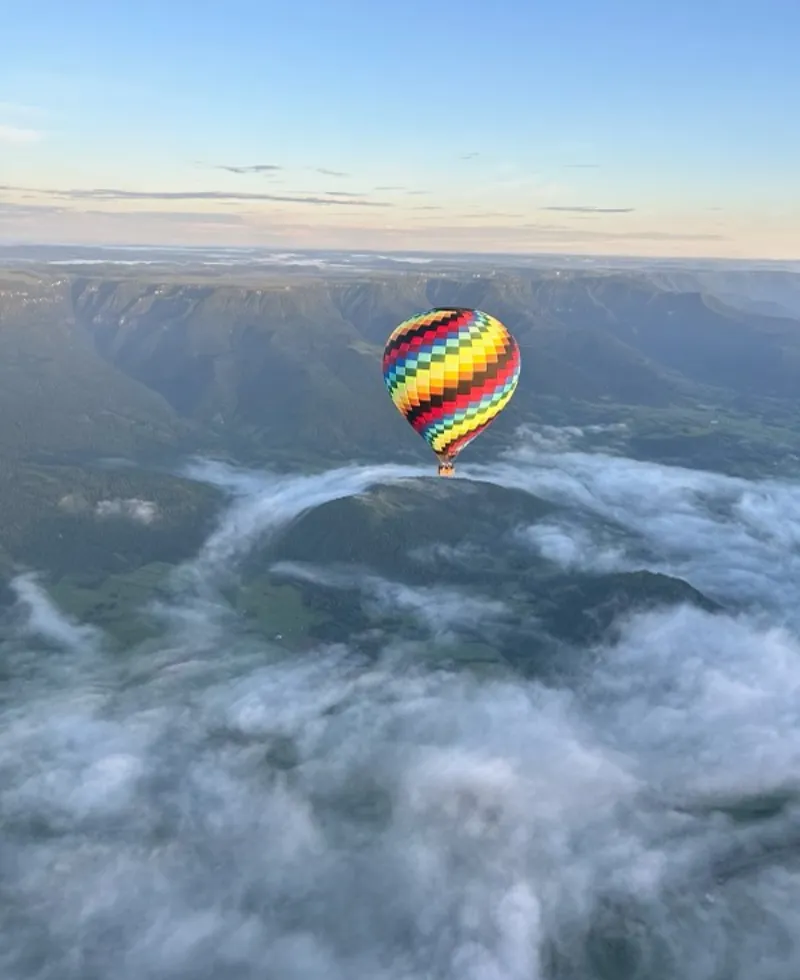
[(450, 372)]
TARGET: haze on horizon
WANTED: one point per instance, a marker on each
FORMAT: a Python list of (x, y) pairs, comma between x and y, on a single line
[(625, 128)]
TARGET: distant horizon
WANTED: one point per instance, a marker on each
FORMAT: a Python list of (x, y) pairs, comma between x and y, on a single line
[(395, 245), (789, 265)]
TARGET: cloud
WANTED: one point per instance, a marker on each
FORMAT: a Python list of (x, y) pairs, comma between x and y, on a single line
[(117, 194), (187, 217), (256, 168), (413, 192), (18, 135), (11, 211), (722, 732), (134, 509), (46, 621), (469, 156), (274, 168), (444, 611), (585, 209), (561, 438), (565, 233), (264, 505), (737, 541), (303, 784), (525, 235), (574, 548), (491, 214), (655, 236), (345, 194), (277, 226), (458, 555), (582, 166)]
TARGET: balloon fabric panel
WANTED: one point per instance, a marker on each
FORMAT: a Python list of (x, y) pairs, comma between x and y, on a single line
[(450, 372)]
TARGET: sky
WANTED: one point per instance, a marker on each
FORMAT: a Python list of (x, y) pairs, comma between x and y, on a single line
[(624, 127)]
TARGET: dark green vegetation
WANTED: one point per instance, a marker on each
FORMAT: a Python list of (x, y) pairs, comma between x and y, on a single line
[(262, 369), (296, 369), (390, 532), (286, 372)]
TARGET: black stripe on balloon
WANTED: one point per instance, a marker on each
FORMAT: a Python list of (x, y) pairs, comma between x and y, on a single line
[(465, 386), (468, 436), (422, 329)]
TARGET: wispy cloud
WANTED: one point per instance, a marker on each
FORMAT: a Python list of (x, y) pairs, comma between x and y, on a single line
[(469, 156), (563, 233), (345, 194), (585, 209), (461, 796), (119, 194), (10, 211), (178, 217), (660, 236), (270, 169), (133, 508), (442, 609), (256, 168), (582, 166), (265, 504), (19, 135), (531, 234), (734, 539), (491, 214), (45, 620)]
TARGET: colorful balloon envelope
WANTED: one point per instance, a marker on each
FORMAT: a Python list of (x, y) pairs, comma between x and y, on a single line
[(450, 372)]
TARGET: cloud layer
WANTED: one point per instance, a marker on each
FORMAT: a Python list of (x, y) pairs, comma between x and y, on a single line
[(736, 540), (207, 804)]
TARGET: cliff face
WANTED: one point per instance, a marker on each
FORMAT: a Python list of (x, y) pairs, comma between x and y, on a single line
[(299, 364), (126, 363)]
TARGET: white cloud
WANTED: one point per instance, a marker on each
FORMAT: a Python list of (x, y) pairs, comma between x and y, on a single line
[(264, 504), (142, 511), (19, 135), (441, 609), (574, 548), (736, 540), (645, 819), (45, 620)]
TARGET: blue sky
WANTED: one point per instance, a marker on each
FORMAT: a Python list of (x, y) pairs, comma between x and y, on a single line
[(611, 127)]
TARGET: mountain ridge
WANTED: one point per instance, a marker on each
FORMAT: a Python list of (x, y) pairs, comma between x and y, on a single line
[(152, 366)]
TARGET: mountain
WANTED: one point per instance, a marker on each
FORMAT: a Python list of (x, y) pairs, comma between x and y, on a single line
[(288, 366), (431, 532), (539, 720), (285, 370), (57, 392), (589, 336)]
